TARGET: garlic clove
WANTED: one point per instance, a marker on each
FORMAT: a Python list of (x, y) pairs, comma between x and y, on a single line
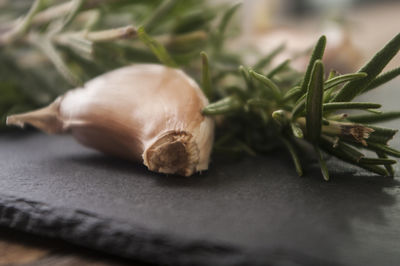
[(144, 112)]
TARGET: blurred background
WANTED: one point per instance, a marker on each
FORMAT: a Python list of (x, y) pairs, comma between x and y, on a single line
[(355, 29)]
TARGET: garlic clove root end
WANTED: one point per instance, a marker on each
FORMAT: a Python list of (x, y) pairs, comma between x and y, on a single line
[(174, 152)]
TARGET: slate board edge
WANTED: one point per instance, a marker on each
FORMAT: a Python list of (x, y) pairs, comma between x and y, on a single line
[(114, 237), (118, 238)]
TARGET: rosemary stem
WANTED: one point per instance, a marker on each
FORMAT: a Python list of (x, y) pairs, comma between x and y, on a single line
[(21, 27), (52, 12), (99, 36), (59, 10)]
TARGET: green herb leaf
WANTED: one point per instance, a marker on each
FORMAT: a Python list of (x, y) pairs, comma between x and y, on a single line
[(322, 164), (374, 169), (377, 112), (382, 148), (293, 153), (317, 54), (299, 107), (389, 168), (382, 79), (341, 150), (226, 105), (333, 82), (314, 102), (381, 134), (273, 88), (156, 48), (349, 105), (246, 76), (292, 93), (193, 21), (207, 87), (376, 161), (374, 118)]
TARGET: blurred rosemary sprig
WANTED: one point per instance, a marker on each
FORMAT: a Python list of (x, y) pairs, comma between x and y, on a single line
[(60, 44)]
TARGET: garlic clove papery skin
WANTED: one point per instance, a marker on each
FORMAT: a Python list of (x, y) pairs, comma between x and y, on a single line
[(144, 112)]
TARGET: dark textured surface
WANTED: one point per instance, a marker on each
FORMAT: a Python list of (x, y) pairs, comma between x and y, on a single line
[(256, 211)]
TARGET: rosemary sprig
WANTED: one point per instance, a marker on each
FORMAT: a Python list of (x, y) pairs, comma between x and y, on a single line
[(306, 112)]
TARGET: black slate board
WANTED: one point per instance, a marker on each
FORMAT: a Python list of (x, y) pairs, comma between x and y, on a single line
[(252, 212)]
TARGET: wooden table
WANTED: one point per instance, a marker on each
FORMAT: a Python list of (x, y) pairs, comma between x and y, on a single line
[(18, 248)]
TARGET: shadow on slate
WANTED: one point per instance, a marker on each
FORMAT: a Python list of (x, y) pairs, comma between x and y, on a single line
[(252, 212)]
